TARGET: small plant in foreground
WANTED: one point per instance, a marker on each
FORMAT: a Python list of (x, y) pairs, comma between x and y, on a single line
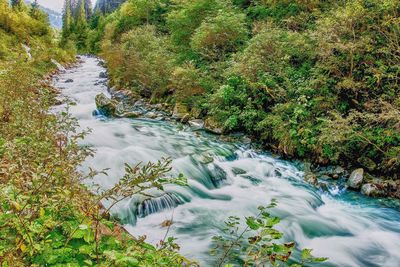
[(257, 244)]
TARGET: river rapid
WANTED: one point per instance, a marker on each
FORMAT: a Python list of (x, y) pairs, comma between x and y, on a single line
[(344, 226)]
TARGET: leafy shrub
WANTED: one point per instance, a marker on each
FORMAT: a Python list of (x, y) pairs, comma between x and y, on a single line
[(220, 34)]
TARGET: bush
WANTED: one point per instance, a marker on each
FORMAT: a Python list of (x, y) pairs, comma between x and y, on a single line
[(145, 64), (220, 34)]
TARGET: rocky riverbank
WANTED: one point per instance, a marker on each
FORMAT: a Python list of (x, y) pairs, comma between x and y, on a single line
[(125, 104)]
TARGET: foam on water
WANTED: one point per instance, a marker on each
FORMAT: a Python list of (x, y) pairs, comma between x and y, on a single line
[(349, 232)]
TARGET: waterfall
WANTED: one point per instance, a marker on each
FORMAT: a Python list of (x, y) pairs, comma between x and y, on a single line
[(165, 202), (28, 51)]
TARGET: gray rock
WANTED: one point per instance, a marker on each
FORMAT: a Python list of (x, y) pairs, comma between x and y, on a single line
[(196, 124), (151, 115), (246, 140), (69, 81), (339, 170), (139, 104), (213, 126), (131, 114), (103, 75), (122, 95), (106, 105), (158, 106), (311, 178), (372, 190), (238, 171), (356, 178), (160, 118)]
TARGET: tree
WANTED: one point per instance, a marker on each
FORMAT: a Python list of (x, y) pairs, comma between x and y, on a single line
[(17, 4), (67, 20), (81, 25), (88, 9)]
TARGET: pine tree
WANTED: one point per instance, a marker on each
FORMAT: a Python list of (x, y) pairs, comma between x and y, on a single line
[(35, 12), (67, 20), (17, 4), (81, 25), (88, 9)]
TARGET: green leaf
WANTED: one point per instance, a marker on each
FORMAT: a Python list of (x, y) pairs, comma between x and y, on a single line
[(251, 222)]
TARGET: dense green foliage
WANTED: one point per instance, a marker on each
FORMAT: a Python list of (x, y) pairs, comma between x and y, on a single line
[(310, 79), (47, 216)]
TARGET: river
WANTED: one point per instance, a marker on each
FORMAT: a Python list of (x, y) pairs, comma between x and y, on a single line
[(344, 226)]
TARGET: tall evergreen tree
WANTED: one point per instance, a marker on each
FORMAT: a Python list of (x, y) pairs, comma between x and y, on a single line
[(67, 20), (16, 3), (81, 25), (88, 9), (35, 12)]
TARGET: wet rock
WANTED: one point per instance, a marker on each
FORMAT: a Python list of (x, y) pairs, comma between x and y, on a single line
[(69, 81), (206, 159), (103, 75), (196, 124), (58, 65), (122, 95), (372, 190), (213, 126), (238, 171), (106, 105), (356, 178), (311, 178), (130, 114), (158, 106), (246, 140), (139, 103), (218, 176), (323, 186), (339, 170), (151, 115), (252, 179)]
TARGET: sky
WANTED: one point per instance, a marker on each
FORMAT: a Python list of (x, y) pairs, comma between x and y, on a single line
[(56, 5)]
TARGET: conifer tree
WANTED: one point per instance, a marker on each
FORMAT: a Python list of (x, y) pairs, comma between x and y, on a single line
[(81, 26), (67, 20), (16, 4), (88, 9)]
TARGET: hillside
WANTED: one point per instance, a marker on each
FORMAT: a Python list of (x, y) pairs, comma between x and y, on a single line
[(55, 17)]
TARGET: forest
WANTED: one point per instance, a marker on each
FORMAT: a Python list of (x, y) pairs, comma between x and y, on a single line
[(317, 80)]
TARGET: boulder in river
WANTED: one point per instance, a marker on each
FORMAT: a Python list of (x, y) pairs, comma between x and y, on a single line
[(103, 75), (151, 115), (213, 126), (356, 179), (130, 114), (106, 105), (196, 124), (372, 190)]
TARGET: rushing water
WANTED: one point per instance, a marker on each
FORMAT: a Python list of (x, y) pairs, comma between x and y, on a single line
[(349, 229)]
